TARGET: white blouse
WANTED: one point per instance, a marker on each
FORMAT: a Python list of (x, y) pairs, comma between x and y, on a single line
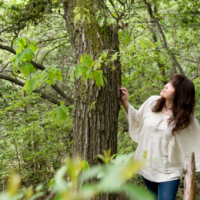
[(168, 154)]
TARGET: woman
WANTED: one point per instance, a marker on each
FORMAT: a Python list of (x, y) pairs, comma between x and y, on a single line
[(165, 127)]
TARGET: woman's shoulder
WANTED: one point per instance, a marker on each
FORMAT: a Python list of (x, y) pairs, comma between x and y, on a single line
[(153, 98), (151, 101)]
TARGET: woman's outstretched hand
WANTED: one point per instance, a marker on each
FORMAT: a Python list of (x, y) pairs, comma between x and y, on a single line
[(124, 97), (124, 94)]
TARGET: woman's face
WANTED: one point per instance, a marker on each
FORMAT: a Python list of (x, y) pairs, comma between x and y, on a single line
[(168, 91)]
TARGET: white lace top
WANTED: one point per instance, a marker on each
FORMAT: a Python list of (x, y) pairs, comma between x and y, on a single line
[(169, 154)]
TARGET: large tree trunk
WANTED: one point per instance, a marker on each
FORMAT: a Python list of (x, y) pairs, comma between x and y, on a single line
[(94, 130)]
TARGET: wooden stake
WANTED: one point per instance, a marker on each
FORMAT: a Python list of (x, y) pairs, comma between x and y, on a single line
[(190, 182)]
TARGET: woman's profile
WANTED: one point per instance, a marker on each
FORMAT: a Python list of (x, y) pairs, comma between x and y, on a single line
[(165, 127)]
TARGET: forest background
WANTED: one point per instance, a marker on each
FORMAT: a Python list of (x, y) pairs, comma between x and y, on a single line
[(61, 65)]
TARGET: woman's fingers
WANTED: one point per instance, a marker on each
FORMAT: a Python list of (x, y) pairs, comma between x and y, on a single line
[(124, 93), (124, 90)]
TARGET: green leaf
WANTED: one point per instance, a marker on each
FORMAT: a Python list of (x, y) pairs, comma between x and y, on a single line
[(109, 21), (33, 47), (130, 47), (83, 18), (19, 43), (125, 38), (91, 106), (86, 166), (101, 21), (120, 34), (77, 17), (91, 173), (72, 76), (105, 79), (43, 75), (86, 10), (89, 73), (59, 75), (88, 19), (29, 54), (52, 77), (16, 64), (84, 75), (105, 55), (24, 42), (98, 78), (30, 85), (24, 69), (89, 191), (137, 193), (147, 43), (97, 14), (114, 14), (76, 9), (114, 57), (78, 71), (26, 85), (54, 1), (143, 43), (18, 50), (21, 55), (87, 61), (30, 67), (64, 108), (82, 59), (60, 116)]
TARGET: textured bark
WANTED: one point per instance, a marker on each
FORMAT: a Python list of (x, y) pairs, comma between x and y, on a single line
[(94, 130), (190, 183)]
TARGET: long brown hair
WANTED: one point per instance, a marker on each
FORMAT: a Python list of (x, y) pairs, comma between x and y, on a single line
[(183, 103)]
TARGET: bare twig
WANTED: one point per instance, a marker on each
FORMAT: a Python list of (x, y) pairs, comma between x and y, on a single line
[(52, 50), (5, 66)]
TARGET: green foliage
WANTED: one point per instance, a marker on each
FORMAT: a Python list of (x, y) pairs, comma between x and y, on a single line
[(25, 53), (112, 178), (30, 139), (81, 14), (88, 69), (35, 135)]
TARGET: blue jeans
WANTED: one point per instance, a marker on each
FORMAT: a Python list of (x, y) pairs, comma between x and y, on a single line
[(163, 190)]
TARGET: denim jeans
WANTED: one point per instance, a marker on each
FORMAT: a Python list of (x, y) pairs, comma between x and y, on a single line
[(163, 190)]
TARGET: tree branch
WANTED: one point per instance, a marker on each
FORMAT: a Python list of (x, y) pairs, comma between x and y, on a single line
[(41, 67), (18, 82), (119, 17), (23, 19), (122, 3), (155, 20), (52, 50), (52, 39), (160, 65)]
